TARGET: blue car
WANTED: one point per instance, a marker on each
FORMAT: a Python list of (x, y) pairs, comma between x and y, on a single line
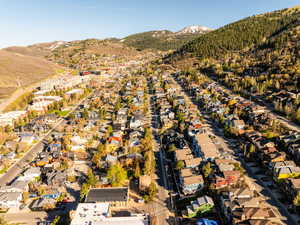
[(207, 222)]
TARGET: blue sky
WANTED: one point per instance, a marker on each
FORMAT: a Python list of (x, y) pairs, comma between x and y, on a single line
[(24, 22)]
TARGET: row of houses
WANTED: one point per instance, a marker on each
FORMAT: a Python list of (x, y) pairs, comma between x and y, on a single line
[(239, 197)]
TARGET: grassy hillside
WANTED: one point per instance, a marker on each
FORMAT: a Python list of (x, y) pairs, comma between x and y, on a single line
[(160, 40), (38, 50), (17, 69)]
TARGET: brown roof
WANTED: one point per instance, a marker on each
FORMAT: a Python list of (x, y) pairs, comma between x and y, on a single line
[(265, 222), (225, 161), (183, 154), (207, 147), (232, 173), (259, 213), (193, 180), (242, 192), (186, 172), (193, 162)]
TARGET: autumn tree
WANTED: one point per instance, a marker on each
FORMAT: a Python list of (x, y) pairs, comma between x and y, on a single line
[(84, 190), (149, 167), (296, 200), (207, 169), (117, 175), (137, 171), (92, 180), (152, 190), (179, 165)]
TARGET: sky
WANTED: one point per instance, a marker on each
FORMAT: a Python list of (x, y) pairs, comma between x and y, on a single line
[(24, 22)]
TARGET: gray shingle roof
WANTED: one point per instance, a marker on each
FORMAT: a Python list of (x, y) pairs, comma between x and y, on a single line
[(107, 195)]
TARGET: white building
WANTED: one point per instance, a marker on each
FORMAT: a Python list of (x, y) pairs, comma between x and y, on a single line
[(99, 214), (87, 213), (47, 98), (10, 199), (75, 91), (40, 106), (64, 82), (9, 117), (41, 92), (32, 173)]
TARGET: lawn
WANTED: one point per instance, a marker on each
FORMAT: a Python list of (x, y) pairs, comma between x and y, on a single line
[(60, 113)]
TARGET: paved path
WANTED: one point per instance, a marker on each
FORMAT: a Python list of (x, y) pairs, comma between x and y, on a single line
[(28, 218), (160, 207)]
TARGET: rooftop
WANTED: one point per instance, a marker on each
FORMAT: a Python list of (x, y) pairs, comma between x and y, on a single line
[(90, 212), (193, 180), (107, 195)]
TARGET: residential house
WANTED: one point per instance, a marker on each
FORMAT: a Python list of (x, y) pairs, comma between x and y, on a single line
[(32, 173), (287, 172), (186, 172), (46, 119), (56, 178), (114, 142), (183, 154), (271, 154), (42, 203), (18, 185), (27, 138), (257, 213), (228, 178), (193, 162), (238, 125), (192, 184), (204, 147), (199, 206), (136, 122)]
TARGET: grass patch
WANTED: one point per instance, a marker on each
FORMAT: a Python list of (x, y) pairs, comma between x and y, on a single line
[(59, 71), (60, 113)]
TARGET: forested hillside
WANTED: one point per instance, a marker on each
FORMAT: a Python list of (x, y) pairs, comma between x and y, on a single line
[(241, 35), (258, 56), (159, 40)]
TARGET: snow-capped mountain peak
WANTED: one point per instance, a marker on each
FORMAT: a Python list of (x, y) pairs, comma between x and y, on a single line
[(194, 29)]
